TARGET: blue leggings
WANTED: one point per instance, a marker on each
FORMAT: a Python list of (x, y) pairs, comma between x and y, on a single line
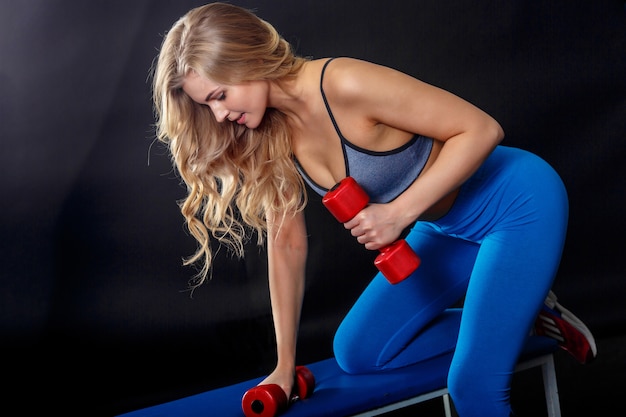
[(499, 246)]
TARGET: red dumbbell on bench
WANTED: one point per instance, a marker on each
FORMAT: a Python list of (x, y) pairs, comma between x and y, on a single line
[(396, 261), (270, 400)]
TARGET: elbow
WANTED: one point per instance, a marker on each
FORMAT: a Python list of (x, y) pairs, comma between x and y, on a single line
[(492, 132), (497, 132), (293, 242), (296, 247)]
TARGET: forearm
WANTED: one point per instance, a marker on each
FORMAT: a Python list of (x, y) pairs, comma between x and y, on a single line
[(459, 158), (287, 251)]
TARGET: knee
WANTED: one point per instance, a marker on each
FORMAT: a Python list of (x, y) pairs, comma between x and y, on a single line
[(353, 355)]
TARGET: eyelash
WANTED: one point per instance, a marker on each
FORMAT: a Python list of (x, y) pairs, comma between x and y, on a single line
[(222, 96)]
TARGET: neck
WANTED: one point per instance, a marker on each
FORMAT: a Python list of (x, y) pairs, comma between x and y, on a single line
[(290, 96)]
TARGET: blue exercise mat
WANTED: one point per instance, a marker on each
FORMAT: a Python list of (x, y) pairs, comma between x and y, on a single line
[(336, 393)]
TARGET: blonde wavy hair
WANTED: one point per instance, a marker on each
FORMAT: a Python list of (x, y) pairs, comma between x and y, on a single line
[(234, 175)]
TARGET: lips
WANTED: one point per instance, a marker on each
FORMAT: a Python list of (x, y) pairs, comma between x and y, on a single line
[(242, 119)]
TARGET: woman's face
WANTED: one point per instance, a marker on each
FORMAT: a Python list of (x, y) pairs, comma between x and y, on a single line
[(244, 104)]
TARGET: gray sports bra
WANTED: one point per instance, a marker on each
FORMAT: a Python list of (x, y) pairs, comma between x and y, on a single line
[(383, 175)]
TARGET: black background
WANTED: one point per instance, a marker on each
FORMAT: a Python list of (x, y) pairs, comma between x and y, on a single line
[(95, 315)]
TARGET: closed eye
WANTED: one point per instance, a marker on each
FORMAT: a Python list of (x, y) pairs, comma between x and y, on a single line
[(219, 97)]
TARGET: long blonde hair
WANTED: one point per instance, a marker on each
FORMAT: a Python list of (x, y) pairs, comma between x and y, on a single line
[(234, 175)]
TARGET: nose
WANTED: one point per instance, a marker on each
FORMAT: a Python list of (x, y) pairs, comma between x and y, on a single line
[(219, 111)]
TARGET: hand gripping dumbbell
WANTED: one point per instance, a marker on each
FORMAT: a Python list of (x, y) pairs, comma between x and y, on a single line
[(396, 261), (270, 400)]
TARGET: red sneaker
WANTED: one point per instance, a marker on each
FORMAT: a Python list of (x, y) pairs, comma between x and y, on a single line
[(557, 322)]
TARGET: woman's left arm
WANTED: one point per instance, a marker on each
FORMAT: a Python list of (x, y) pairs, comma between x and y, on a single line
[(468, 135)]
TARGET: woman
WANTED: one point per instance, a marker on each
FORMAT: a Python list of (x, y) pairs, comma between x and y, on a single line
[(248, 122)]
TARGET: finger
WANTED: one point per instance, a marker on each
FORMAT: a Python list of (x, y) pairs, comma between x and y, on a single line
[(351, 224)]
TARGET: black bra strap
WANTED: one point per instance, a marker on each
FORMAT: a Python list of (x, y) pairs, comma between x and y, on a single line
[(330, 113)]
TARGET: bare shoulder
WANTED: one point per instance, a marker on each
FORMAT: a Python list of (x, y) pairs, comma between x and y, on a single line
[(348, 79), (354, 69), (386, 96)]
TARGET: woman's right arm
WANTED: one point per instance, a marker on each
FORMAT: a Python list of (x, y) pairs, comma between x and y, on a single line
[(287, 252)]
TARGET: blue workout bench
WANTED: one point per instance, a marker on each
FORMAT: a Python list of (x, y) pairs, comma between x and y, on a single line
[(340, 394)]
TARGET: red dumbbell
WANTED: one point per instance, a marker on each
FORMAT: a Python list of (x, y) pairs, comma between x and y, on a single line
[(396, 261), (270, 400)]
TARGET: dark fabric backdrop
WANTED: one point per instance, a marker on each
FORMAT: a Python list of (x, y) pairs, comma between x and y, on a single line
[(92, 286)]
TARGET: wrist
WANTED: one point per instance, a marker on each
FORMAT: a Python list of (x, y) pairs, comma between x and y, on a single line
[(405, 214), (286, 367), (286, 361)]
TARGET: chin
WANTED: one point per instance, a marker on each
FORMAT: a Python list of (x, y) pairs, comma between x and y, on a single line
[(252, 124)]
